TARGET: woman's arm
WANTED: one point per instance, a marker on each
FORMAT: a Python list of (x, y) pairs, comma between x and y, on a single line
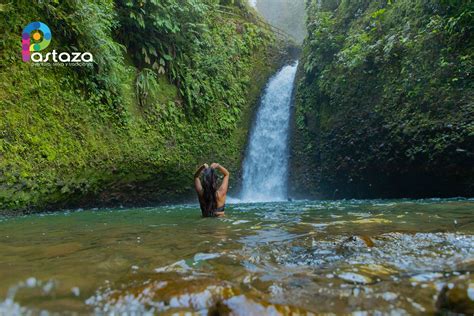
[(197, 181), (225, 182)]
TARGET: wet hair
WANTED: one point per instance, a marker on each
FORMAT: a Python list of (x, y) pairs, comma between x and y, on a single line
[(209, 185)]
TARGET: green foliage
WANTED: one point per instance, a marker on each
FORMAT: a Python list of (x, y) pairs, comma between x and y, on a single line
[(145, 84), (169, 86), (162, 32), (386, 98), (177, 38)]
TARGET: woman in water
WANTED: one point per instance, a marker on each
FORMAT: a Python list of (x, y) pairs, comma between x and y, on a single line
[(211, 197)]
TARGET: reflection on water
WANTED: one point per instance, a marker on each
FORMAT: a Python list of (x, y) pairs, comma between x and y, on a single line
[(261, 259)]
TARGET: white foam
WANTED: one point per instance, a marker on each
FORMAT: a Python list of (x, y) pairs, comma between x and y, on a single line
[(265, 167)]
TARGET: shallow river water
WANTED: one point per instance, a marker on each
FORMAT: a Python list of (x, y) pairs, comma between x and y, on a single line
[(261, 259)]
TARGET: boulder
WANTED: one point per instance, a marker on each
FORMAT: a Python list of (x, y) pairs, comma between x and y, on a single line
[(458, 296)]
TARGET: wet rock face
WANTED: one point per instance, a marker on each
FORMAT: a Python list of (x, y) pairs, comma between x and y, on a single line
[(361, 130), (457, 297)]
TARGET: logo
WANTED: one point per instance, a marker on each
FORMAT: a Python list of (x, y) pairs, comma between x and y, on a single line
[(41, 35), (36, 37)]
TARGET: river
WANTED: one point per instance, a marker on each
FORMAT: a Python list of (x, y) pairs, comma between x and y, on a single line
[(261, 259)]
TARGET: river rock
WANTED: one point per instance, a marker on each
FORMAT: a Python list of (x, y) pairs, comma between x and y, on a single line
[(355, 244), (467, 265), (426, 277), (356, 278), (372, 221), (376, 270), (367, 240), (458, 298), (63, 249)]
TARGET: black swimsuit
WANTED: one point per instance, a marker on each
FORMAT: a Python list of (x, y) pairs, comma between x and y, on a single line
[(212, 213), (219, 209)]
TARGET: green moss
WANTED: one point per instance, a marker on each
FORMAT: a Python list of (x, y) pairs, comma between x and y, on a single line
[(384, 100), (90, 136)]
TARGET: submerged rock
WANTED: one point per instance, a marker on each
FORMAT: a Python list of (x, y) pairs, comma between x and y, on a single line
[(457, 297), (63, 249), (368, 241), (376, 270), (355, 244), (425, 277), (356, 278), (372, 221)]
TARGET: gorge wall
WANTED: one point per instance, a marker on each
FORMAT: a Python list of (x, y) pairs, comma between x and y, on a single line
[(172, 86), (384, 102)]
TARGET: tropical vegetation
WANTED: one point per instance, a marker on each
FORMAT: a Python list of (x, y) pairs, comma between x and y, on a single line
[(172, 81), (385, 105)]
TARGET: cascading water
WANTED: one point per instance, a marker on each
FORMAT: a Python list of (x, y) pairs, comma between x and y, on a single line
[(265, 169)]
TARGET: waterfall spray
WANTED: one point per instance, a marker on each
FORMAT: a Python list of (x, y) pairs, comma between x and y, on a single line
[(265, 170)]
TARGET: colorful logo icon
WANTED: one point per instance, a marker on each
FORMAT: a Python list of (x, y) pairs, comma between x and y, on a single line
[(41, 35)]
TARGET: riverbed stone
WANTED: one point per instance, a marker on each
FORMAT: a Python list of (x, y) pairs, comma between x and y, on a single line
[(372, 221), (376, 270), (356, 278), (457, 297), (63, 249)]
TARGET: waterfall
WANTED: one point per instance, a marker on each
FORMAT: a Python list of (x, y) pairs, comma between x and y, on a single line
[(265, 169)]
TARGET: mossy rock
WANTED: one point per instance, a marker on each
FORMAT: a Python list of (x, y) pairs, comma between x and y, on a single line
[(457, 297)]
